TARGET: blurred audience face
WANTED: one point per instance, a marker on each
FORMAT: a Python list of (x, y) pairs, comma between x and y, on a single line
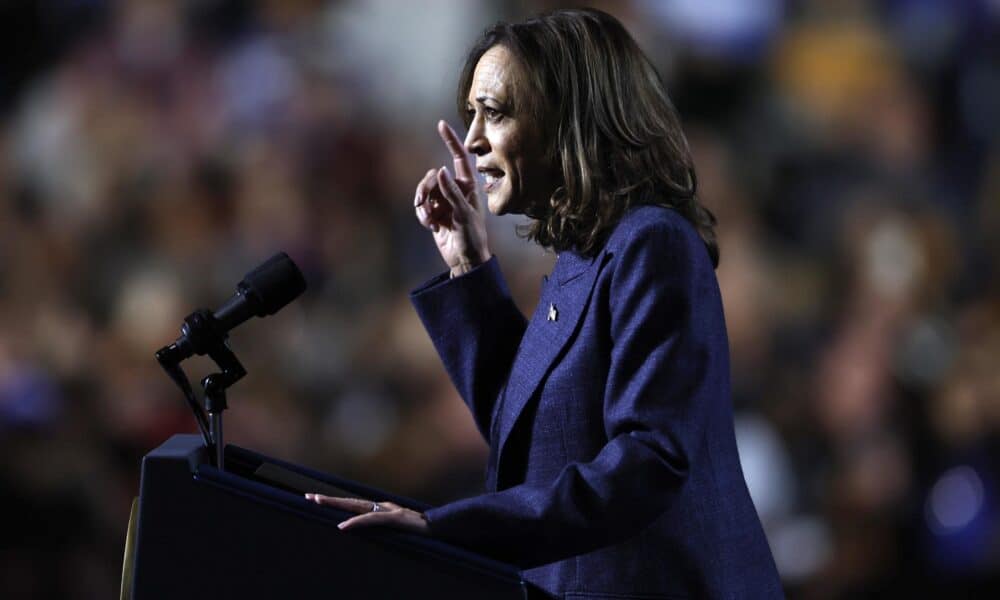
[(507, 145)]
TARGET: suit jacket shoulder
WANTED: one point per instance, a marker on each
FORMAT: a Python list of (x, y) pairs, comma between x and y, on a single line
[(658, 225)]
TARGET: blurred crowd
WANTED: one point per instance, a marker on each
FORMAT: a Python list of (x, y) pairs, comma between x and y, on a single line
[(153, 151)]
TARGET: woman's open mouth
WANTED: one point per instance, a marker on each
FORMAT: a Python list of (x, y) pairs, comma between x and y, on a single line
[(491, 178)]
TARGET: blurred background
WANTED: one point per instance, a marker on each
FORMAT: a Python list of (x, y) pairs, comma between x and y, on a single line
[(151, 152)]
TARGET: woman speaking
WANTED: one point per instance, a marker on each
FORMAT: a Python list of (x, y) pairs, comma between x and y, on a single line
[(613, 467)]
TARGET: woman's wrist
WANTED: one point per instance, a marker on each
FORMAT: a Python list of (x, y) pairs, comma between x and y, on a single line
[(465, 265)]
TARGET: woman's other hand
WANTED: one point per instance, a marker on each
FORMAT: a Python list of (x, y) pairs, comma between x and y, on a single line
[(450, 207), (374, 513)]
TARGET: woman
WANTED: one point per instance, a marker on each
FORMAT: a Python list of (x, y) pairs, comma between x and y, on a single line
[(613, 469)]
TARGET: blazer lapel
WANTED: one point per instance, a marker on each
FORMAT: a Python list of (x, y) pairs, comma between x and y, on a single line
[(564, 297)]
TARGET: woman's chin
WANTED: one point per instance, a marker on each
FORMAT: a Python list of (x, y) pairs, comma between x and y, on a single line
[(502, 202), (497, 205)]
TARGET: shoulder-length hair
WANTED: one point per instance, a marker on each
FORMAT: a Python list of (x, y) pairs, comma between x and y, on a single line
[(612, 128)]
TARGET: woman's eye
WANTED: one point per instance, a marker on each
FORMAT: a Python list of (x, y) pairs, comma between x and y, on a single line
[(492, 115)]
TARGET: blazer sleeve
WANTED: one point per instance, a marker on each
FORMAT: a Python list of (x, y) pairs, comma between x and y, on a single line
[(668, 377), (476, 328)]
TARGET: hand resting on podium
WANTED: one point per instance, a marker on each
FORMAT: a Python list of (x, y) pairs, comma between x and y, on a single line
[(374, 513)]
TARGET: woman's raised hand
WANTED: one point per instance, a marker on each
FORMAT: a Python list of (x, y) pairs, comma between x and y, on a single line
[(451, 208)]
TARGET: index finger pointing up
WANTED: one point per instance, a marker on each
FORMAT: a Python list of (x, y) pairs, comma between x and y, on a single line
[(463, 162)]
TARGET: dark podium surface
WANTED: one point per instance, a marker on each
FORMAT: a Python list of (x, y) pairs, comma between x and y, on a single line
[(248, 532)]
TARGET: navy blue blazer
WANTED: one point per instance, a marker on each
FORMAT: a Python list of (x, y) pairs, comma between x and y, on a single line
[(613, 467)]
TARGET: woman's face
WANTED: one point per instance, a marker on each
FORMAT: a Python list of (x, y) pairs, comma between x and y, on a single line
[(508, 147)]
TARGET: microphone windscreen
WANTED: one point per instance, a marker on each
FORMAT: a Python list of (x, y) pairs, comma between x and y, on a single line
[(273, 284)]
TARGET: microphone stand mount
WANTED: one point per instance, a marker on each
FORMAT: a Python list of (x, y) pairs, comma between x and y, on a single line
[(203, 335)]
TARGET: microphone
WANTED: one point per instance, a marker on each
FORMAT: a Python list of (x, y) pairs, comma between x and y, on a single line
[(263, 291)]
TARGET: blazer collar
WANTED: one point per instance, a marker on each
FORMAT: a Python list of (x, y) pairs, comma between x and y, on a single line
[(570, 265)]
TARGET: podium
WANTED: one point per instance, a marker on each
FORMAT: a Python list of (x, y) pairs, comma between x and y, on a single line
[(248, 532)]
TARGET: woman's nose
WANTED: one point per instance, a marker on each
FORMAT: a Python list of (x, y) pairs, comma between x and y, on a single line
[(475, 141)]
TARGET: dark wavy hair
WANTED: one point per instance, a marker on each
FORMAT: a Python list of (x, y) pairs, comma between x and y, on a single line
[(613, 130)]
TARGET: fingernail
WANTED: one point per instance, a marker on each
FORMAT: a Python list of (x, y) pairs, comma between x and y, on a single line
[(308, 496), (342, 525)]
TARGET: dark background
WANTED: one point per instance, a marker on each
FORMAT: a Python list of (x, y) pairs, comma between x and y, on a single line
[(151, 152)]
